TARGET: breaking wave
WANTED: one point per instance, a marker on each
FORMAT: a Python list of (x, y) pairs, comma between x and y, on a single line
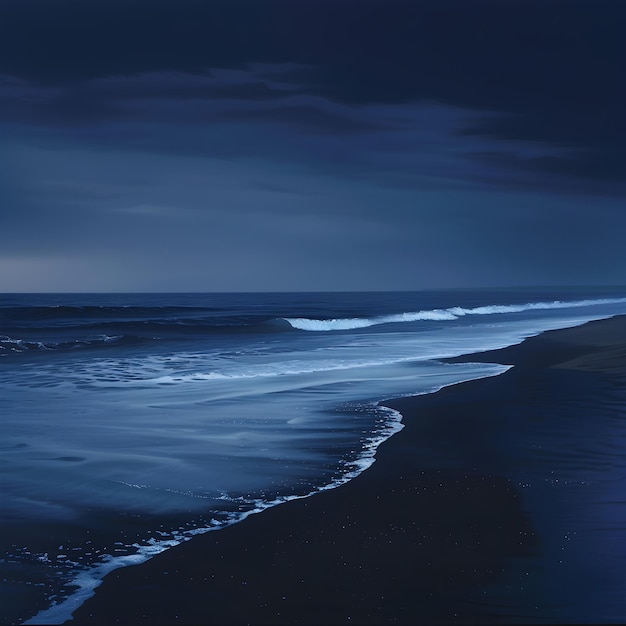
[(25, 331), (452, 313)]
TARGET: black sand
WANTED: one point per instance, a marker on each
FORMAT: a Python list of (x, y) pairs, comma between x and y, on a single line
[(485, 508)]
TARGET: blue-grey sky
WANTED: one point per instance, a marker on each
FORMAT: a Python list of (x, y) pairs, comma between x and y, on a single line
[(276, 145)]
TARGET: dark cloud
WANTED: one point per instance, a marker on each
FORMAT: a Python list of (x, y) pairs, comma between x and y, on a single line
[(312, 144), (595, 137), (305, 117), (130, 98), (554, 66)]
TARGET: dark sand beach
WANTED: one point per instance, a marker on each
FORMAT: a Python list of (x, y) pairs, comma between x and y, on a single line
[(500, 501)]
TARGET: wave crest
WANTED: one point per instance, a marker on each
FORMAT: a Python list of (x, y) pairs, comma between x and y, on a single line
[(453, 313)]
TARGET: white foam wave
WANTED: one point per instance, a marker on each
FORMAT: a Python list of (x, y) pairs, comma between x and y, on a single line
[(86, 581), (453, 313), (253, 371)]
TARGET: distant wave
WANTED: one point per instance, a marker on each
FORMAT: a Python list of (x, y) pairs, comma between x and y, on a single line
[(89, 316), (452, 313), (10, 345), (91, 311), (26, 329)]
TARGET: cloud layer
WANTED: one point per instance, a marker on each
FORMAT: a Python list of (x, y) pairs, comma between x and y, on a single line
[(310, 145)]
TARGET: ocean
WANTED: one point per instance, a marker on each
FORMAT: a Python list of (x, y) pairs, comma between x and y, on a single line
[(132, 422)]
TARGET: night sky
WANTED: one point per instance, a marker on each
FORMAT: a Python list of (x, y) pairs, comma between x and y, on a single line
[(311, 145)]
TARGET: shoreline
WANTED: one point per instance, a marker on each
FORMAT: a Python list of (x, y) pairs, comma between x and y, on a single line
[(428, 533)]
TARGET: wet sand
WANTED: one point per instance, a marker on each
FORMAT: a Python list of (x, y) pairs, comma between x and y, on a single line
[(498, 502)]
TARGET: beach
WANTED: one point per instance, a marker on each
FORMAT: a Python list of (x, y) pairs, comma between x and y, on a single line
[(498, 502)]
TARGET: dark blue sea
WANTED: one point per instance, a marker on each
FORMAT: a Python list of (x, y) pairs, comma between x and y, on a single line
[(132, 422)]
